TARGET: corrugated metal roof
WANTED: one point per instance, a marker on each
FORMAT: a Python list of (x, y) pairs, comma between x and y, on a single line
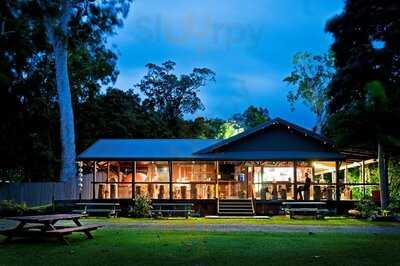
[(184, 149), (151, 149)]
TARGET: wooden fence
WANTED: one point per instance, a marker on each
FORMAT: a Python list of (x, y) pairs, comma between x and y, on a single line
[(39, 193)]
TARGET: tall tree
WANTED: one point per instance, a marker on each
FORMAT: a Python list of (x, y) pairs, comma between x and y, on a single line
[(27, 79), (310, 78), (364, 93), (59, 18), (171, 95)]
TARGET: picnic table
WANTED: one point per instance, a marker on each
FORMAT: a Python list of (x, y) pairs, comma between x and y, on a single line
[(315, 208), (171, 209), (45, 226)]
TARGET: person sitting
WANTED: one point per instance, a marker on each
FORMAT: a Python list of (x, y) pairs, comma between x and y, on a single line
[(305, 188)]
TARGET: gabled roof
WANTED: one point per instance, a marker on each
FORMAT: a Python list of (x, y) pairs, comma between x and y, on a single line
[(264, 126), (277, 139)]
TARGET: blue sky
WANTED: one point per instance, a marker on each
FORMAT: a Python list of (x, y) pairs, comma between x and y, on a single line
[(249, 44)]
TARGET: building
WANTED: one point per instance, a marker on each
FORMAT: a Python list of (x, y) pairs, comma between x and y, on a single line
[(267, 165)]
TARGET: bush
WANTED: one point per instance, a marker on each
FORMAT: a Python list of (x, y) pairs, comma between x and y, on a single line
[(142, 206), (367, 207), (394, 206), (12, 208)]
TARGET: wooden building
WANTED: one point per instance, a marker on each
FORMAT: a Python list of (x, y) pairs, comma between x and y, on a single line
[(265, 165)]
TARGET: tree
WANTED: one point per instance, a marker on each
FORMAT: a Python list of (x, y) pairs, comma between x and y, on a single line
[(27, 78), (59, 18), (251, 117), (364, 93), (310, 78), (128, 119), (173, 96)]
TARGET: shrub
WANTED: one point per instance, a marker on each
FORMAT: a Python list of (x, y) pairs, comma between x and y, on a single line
[(9, 208), (394, 206), (142, 206), (367, 207)]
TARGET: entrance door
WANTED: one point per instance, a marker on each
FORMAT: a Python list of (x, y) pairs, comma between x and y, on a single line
[(233, 182)]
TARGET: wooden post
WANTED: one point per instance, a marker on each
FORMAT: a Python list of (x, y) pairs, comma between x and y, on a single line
[(363, 175), (94, 180), (383, 176), (337, 181), (171, 194), (133, 179), (295, 180), (217, 184)]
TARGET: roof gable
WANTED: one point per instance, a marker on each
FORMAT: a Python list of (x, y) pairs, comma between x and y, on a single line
[(275, 135)]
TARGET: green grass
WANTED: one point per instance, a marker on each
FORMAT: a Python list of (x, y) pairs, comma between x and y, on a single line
[(279, 220), (133, 247)]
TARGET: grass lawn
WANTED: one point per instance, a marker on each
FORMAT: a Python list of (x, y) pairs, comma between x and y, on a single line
[(279, 220), (146, 247)]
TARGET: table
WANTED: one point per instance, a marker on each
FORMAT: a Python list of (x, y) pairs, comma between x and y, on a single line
[(45, 226)]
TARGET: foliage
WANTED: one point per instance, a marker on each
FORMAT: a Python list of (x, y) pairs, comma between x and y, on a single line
[(364, 92), (251, 117), (394, 175), (229, 129), (142, 206), (310, 78), (173, 96), (394, 206), (29, 113), (9, 207), (367, 207)]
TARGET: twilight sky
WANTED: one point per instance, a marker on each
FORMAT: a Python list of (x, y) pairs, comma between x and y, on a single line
[(249, 44)]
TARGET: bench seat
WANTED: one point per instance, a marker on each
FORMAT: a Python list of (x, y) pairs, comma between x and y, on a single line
[(69, 230), (111, 209)]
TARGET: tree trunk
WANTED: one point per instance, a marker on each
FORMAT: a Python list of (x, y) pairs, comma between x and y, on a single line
[(67, 130), (319, 123), (383, 176)]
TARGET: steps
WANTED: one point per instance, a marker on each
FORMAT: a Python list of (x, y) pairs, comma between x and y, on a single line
[(232, 207)]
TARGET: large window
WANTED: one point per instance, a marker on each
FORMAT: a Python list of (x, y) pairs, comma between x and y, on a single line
[(113, 180), (273, 180), (152, 179), (193, 180)]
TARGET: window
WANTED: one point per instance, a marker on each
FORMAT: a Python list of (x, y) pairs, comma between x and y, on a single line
[(193, 180), (152, 179)]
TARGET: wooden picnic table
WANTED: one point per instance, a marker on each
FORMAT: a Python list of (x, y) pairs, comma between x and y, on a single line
[(45, 226)]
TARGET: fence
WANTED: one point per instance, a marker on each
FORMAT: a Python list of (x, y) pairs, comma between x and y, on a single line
[(40, 193)]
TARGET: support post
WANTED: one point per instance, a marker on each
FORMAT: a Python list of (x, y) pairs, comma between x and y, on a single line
[(133, 179), (295, 180), (383, 176), (217, 184), (171, 194), (363, 176), (337, 181), (94, 180)]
